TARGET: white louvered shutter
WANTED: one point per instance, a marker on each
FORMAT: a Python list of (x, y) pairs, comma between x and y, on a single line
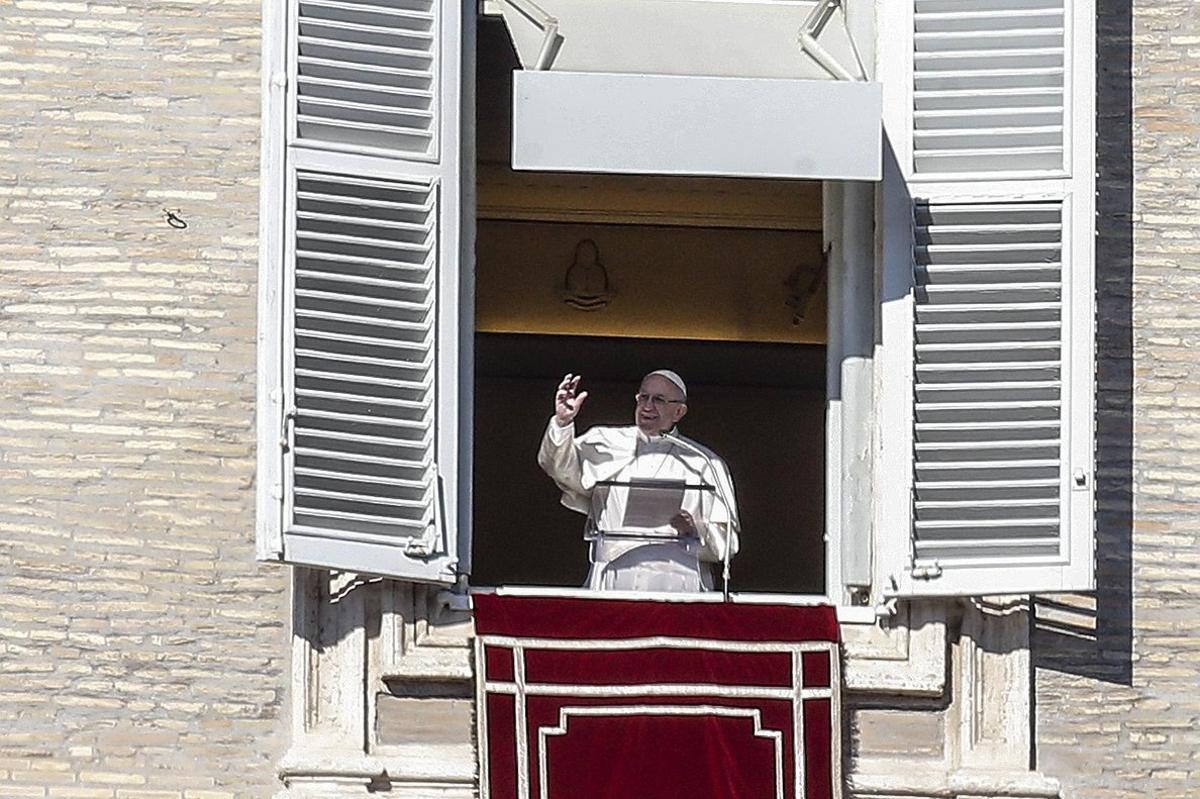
[(359, 458), (988, 315)]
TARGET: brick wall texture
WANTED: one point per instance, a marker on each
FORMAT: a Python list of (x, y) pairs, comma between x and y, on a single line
[(1119, 708), (142, 650)]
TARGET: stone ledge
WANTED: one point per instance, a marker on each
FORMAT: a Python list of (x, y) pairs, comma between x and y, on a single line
[(908, 780)]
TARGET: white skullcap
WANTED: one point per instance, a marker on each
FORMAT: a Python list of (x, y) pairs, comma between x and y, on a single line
[(673, 377)]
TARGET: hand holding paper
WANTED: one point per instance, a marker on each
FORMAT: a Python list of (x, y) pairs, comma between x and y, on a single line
[(684, 523)]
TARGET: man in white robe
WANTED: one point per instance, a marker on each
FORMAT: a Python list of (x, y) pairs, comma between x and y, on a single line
[(594, 470)]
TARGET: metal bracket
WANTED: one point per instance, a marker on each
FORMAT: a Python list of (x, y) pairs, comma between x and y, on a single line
[(549, 25), (812, 27), (426, 545), (423, 547), (926, 572)]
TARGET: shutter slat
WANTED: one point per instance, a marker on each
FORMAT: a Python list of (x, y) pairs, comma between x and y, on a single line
[(366, 113), (986, 406), (988, 42), (389, 503), (342, 436), (368, 380), (1007, 368), (360, 241), (308, 256), (942, 466), (357, 132), (390, 481), (359, 280), (367, 92), (376, 54), (982, 524), (927, 100), (364, 34), (337, 189), (420, 346), (989, 504), (987, 347), (341, 396), (369, 74), (996, 79), (1047, 542), (335, 516), (420, 11), (355, 299), (321, 453), (363, 360), (977, 307), (395, 325), (993, 483), (383, 225), (984, 20)]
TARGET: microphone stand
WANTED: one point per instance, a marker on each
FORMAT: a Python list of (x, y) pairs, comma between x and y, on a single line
[(735, 524)]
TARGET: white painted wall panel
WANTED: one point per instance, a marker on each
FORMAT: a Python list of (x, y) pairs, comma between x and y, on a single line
[(673, 125)]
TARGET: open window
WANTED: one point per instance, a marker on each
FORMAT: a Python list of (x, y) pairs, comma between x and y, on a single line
[(612, 276), (383, 373)]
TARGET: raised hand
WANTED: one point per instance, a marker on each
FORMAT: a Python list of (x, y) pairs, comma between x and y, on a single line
[(566, 402)]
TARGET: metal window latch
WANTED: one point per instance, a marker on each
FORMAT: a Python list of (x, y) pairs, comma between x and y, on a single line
[(1080, 478), (926, 572)]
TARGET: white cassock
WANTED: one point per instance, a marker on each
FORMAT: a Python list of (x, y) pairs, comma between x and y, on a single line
[(581, 466)]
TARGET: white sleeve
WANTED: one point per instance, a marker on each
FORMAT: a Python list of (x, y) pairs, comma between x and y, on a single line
[(718, 530), (559, 457)]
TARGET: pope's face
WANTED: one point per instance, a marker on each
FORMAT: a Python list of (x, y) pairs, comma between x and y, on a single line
[(660, 405)]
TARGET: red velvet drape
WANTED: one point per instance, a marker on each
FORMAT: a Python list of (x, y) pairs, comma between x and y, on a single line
[(621, 698)]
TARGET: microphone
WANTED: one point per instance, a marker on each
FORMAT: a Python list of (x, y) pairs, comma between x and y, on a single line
[(735, 524)]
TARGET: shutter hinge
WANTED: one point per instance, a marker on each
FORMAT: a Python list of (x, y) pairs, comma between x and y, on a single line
[(288, 430), (1080, 478), (926, 572), (279, 80)]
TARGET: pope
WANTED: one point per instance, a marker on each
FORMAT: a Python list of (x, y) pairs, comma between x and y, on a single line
[(609, 474)]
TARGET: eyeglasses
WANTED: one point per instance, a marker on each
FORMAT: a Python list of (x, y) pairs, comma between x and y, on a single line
[(656, 400)]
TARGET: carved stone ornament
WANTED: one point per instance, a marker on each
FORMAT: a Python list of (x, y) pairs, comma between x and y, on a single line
[(585, 287), (803, 284)]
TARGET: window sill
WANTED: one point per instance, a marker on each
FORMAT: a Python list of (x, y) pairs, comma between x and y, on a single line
[(903, 654), (847, 614)]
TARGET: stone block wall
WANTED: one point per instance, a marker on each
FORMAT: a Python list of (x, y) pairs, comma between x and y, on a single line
[(1118, 685), (142, 650)]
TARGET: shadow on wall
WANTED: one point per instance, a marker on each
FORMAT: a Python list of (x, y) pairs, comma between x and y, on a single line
[(1092, 636)]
